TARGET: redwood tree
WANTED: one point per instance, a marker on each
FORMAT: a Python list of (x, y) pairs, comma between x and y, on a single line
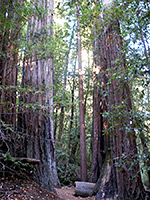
[(124, 178), (36, 120)]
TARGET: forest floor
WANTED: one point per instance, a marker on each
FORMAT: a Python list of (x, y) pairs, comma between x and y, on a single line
[(24, 189)]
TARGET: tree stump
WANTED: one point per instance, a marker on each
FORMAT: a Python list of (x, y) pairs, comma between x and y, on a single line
[(84, 189)]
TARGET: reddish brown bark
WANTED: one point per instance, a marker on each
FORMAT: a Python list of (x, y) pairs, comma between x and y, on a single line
[(125, 180), (36, 121)]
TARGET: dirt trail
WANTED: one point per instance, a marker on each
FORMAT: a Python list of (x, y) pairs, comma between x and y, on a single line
[(67, 193)]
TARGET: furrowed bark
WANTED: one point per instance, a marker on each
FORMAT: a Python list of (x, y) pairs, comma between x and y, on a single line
[(36, 121)]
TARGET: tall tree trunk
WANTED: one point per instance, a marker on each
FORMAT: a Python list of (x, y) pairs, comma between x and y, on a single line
[(125, 180), (83, 157), (37, 119)]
